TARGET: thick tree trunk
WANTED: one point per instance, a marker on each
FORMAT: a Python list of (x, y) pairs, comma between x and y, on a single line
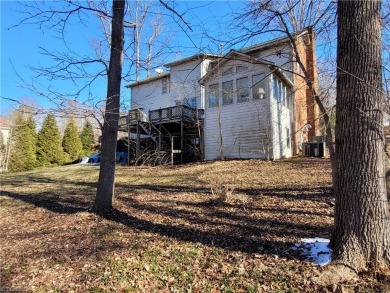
[(105, 190), (361, 236)]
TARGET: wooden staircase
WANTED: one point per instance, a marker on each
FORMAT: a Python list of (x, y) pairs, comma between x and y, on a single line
[(156, 135)]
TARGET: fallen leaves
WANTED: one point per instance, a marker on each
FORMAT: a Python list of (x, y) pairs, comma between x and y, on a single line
[(169, 233)]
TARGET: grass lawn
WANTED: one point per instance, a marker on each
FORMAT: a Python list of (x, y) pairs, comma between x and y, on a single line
[(169, 232)]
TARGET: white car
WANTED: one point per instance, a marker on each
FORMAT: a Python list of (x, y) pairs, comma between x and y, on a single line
[(94, 158)]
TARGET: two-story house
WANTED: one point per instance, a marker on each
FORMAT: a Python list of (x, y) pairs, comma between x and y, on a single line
[(250, 103)]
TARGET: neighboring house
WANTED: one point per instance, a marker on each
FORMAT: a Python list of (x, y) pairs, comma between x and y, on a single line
[(5, 132), (251, 103)]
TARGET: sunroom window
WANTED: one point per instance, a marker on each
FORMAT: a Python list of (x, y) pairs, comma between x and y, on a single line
[(213, 95), (242, 90), (227, 92), (241, 68), (258, 88), (228, 72)]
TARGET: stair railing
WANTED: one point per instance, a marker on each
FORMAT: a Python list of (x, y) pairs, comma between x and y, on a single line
[(142, 118)]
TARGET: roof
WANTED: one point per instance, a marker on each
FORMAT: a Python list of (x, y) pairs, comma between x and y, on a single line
[(149, 79), (241, 53), (235, 55), (200, 56), (5, 123), (274, 42), (279, 73)]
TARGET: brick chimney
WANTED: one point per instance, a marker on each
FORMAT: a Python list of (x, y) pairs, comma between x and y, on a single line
[(311, 66)]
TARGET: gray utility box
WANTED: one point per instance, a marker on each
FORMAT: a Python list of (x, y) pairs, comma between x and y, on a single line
[(315, 147)]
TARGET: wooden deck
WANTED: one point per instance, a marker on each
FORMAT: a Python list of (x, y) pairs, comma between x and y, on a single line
[(174, 130)]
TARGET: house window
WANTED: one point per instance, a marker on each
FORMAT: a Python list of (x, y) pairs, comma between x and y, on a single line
[(258, 86), (288, 139), (275, 89), (190, 103), (281, 93), (228, 72), (240, 69), (213, 95), (284, 96), (165, 85), (242, 90), (227, 92), (289, 99)]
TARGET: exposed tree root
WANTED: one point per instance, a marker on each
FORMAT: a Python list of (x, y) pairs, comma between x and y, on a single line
[(336, 273)]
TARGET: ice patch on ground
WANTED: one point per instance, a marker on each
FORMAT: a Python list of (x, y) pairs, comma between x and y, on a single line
[(316, 250)]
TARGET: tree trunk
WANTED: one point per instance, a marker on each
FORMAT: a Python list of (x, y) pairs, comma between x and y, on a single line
[(105, 190), (361, 236)]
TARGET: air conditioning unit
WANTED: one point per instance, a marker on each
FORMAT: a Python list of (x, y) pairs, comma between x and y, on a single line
[(313, 149)]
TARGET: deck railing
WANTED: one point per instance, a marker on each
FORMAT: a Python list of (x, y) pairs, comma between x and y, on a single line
[(165, 114), (174, 113), (136, 115)]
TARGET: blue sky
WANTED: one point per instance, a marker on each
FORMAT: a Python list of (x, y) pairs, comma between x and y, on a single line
[(20, 48)]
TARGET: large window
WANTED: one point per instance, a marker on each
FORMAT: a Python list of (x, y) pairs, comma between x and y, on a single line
[(276, 89), (288, 138), (281, 93), (228, 72), (242, 90), (240, 69), (289, 99), (165, 85), (227, 92), (213, 95), (190, 102), (258, 89)]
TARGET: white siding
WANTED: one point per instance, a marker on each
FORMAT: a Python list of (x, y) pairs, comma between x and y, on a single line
[(251, 129), (185, 81), (238, 130), (281, 56), (244, 131), (184, 84), (149, 96), (6, 132), (280, 121)]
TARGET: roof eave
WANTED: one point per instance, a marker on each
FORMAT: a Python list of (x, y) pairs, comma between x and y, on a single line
[(200, 56), (275, 42), (226, 58), (279, 73), (148, 79)]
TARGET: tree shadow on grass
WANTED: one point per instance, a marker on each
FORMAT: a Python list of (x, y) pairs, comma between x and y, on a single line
[(69, 204), (211, 225), (243, 243)]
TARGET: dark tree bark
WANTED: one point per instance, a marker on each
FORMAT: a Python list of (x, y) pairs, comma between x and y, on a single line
[(361, 237), (105, 190)]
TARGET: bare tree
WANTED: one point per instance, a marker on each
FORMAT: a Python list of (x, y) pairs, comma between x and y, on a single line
[(105, 190), (361, 237), (158, 26), (288, 18), (83, 71), (149, 26), (70, 65)]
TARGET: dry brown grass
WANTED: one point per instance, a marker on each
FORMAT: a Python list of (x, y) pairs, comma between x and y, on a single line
[(168, 232)]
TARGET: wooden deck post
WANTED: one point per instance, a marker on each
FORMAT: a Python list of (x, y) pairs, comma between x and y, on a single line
[(137, 147), (159, 136), (172, 141), (128, 138), (181, 139)]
